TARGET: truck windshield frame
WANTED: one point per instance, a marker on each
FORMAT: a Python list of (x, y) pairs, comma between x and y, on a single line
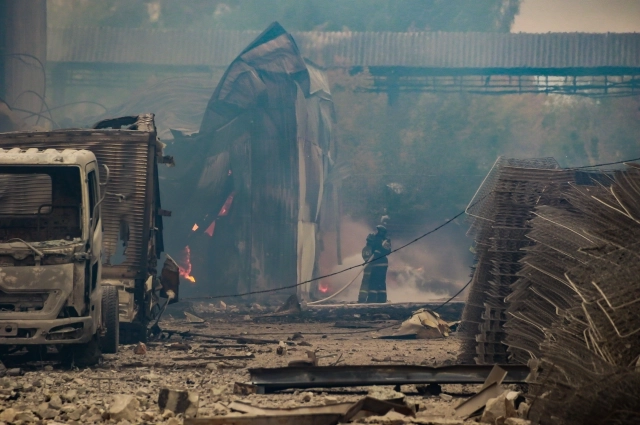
[(40, 203)]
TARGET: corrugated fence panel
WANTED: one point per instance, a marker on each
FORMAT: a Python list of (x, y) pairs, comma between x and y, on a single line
[(218, 48)]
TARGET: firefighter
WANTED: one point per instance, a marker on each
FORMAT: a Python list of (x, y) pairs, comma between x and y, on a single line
[(374, 282)]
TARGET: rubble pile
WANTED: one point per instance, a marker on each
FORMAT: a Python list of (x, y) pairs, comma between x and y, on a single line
[(199, 370)]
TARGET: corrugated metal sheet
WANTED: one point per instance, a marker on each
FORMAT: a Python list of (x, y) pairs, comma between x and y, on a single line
[(126, 153), (218, 48)]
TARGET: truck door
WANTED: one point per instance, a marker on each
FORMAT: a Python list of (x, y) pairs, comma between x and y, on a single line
[(95, 227)]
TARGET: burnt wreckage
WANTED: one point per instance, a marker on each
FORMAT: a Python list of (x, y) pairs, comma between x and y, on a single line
[(556, 286), (131, 240), (260, 192)]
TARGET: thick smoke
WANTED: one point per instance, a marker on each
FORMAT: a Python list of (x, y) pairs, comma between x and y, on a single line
[(431, 269)]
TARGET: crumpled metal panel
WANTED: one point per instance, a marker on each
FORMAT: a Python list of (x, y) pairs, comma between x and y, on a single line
[(218, 48)]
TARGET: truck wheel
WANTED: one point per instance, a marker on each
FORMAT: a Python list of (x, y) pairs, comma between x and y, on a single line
[(110, 320), (81, 355)]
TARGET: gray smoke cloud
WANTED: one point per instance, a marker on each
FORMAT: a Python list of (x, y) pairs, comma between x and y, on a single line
[(429, 270)]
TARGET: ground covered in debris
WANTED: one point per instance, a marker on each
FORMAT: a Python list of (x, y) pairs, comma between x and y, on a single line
[(126, 387)]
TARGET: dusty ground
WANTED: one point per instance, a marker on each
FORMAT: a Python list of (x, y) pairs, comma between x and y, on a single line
[(46, 390)]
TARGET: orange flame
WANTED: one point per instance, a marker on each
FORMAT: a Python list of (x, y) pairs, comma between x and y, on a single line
[(227, 205), (194, 228), (323, 288), (211, 228), (186, 271)]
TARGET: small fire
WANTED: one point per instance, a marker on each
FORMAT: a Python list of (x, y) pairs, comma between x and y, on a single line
[(186, 271), (211, 228), (227, 205), (194, 228), (223, 212), (322, 287)]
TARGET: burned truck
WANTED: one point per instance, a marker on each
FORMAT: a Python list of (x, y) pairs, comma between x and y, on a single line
[(124, 250), (50, 250)]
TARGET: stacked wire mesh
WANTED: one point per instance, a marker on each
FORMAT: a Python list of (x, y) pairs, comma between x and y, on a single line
[(499, 213), (575, 308), (541, 292)]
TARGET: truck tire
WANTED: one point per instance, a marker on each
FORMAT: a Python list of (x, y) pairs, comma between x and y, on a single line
[(110, 320), (81, 355)]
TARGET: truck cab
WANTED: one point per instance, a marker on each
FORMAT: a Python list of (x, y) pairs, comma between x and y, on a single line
[(50, 253)]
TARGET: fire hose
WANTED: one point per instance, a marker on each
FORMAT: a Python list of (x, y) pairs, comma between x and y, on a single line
[(337, 293)]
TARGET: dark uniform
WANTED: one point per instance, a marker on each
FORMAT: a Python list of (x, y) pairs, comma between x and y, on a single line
[(374, 281)]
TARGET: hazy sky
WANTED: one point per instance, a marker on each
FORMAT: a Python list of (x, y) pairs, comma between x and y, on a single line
[(578, 15)]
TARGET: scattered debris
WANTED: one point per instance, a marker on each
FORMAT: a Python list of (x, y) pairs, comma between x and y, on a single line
[(496, 376), (306, 397), (523, 410), (386, 394), (192, 318), (369, 405), (385, 360), (15, 371), (309, 419), (226, 365), (44, 411), (179, 346), (217, 357), (315, 415), (291, 306), (516, 421), (429, 390), (55, 402), (176, 401), (123, 408), (354, 325), (141, 349), (282, 348), (501, 407), (340, 409), (240, 388), (475, 403), (8, 415), (437, 420), (337, 361), (69, 396), (255, 341), (423, 324), (490, 389), (311, 360), (295, 337)]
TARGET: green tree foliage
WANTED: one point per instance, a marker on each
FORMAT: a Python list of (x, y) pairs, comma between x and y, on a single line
[(439, 147)]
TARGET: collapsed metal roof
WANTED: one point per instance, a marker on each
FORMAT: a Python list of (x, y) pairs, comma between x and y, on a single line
[(259, 163)]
